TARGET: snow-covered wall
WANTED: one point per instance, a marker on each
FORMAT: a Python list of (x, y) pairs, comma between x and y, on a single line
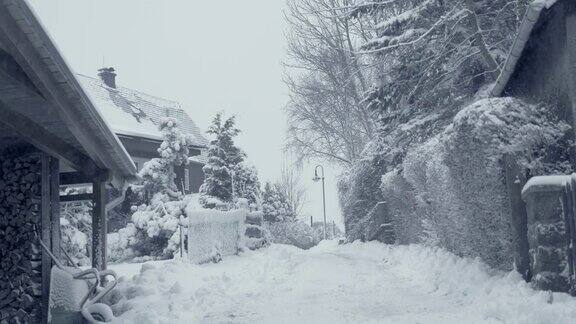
[(213, 234)]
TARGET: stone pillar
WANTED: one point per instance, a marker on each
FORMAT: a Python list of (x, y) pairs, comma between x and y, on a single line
[(546, 232)]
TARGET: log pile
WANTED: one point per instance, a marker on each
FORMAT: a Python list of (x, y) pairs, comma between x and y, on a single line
[(20, 252)]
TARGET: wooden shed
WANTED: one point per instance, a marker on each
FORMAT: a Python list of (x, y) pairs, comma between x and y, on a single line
[(541, 68), (51, 134)]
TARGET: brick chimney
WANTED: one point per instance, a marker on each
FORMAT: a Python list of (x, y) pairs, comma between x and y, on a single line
[(108, 76)]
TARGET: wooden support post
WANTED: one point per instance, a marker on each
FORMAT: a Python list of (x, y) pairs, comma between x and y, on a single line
[(55, 205), (515, 181), (46, 233), (99, 226), (570, 12)]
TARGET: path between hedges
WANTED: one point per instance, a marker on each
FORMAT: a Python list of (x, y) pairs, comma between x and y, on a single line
[(357, 283)]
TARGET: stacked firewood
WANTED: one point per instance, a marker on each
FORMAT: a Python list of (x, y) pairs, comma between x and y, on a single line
[(20, 252)]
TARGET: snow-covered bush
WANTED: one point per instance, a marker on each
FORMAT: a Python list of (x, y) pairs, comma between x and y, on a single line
[(247, 184), (457, 177), (75, 241), (157, 226), (275, 205), (293, 232), (76, 227), (155, 219), (120, 244), (157, 175)]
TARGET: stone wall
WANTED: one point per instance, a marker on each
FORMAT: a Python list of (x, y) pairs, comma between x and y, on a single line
[(546, 233)]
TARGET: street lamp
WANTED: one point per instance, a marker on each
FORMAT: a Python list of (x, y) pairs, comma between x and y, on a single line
[(316, 179)]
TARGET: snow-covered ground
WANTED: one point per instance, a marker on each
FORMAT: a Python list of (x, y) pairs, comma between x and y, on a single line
[(354, 283)]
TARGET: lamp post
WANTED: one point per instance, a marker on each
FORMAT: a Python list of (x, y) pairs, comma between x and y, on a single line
[(316, 179)]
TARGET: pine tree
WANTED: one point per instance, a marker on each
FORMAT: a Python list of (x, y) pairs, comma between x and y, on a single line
[(161, 204), (223, 158), (247, 185), (157, 175), (175, 148), (275, 205)]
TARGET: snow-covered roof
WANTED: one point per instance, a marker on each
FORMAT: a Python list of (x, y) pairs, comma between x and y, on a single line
[(530, 18), (133, 113)]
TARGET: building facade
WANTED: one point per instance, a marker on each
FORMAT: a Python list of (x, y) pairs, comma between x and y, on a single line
[(135, 116)]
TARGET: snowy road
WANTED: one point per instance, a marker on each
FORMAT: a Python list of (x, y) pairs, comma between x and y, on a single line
[(358, 283)]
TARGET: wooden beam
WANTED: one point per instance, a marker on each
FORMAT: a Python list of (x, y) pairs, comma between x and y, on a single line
[(45, 141), (72, 178), (46, 233), (99, 226), (55, 205), (77, 197)]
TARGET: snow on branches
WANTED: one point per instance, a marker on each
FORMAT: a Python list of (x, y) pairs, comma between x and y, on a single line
[(227, 176), (154, 228), (175, 147), (275, 204)]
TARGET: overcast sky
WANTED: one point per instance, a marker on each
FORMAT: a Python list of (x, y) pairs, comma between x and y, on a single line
[(210, 56)]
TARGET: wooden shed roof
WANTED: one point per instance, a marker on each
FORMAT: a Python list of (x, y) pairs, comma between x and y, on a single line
[(42, 102), (531, 18)]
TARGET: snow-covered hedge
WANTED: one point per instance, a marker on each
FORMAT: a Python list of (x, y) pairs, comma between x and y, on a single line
[(213, 234), (358, 188), (293, 232), (453, 191)]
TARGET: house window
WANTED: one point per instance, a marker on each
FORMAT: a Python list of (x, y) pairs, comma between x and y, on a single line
[(186, 179)]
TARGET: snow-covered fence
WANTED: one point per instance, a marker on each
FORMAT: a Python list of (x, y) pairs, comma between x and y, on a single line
[(213, 234)]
